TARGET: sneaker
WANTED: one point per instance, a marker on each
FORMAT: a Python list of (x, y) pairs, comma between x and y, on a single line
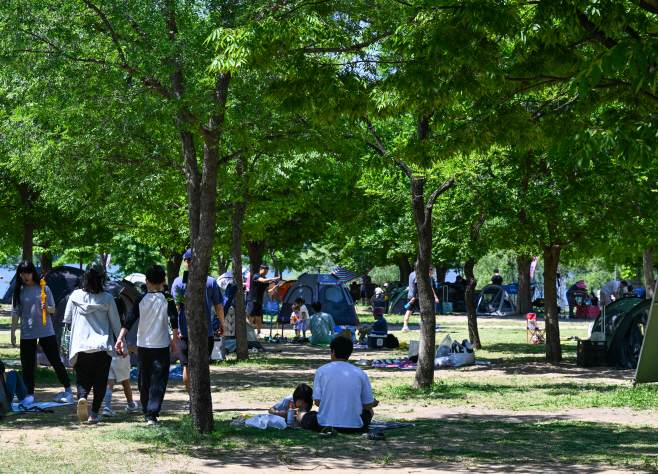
[(59, 397), (95, 419), (83, 414), (27, 401), (132, 406), (152, 422), (405, 329), (108, 412), (67, 398)]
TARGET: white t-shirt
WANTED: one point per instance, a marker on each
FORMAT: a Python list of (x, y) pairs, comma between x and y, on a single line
[(303, 313), (342, 390), (611, 287)]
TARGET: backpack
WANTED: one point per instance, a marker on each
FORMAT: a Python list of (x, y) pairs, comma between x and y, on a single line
[(391, 342)]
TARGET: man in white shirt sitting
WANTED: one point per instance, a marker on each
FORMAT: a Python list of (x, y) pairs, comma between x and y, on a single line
[(343, 393), (610, 289)]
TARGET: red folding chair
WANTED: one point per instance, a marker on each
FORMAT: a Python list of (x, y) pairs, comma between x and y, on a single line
[(534, 333)]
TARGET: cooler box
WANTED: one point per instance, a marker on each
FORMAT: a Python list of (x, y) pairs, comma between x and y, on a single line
[(377, 340), (447, 307), (591, 353)]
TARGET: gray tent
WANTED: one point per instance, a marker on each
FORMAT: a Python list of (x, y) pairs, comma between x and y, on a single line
[(494, 301)]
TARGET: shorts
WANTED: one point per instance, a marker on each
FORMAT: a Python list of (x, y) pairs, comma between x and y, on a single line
[(254, 309), (414, 307), (302, 324), (120, 369), (182, 349), (310, 422)]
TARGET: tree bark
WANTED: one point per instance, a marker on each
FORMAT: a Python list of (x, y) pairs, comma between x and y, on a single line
[(255, 250), (551, 261), (275, 261), (239, 210), (524, 298), (46, 261), (173, 266), (223, 263), (649, 280), (471, 283), (441, 274), (405, 269), (28, 239)]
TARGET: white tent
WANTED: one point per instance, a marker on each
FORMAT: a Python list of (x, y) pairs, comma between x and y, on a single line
[(494, 301), (224, 280)]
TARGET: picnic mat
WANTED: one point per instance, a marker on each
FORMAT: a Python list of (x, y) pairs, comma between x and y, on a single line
[(40, 405), (403, 364), (175, 373), (387, 425)]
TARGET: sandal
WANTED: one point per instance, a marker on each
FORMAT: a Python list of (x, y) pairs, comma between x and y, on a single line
[(375, 435), (327, 432)]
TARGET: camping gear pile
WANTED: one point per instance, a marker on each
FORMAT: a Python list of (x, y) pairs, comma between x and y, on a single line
[(454, 354)]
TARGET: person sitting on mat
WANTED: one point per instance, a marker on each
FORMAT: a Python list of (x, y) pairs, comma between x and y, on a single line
[(15, 386), (343, 394), (301, 398)]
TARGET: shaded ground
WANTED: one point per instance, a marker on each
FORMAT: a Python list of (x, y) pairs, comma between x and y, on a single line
[(519, 415)]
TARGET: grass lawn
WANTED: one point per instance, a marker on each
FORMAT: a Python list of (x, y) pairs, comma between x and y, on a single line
[(517, 413)]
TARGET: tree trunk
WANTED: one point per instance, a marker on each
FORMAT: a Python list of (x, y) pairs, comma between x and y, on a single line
[(223, 262), (255, 251), (275, 261), (524, 298), (440, 274), (28, 239), (173, 266), (551, 261), (649, 280), (405, 269), (241, 347), (471, 283), (46, 261)]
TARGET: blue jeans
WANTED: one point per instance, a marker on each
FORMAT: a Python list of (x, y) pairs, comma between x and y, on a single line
[(15, 386)]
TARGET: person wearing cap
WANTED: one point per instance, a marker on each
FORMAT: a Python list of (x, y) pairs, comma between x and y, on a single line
[(380, 324), (579, 285), (257, 289), (28, 307), (213, 299), (95, 325)]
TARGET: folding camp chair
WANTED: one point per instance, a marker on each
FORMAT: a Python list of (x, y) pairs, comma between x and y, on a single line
[(270, 314), (534, 333), (578, 299)]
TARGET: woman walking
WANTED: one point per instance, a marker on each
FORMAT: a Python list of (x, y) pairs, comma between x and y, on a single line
[(27, 306), (94, 319)]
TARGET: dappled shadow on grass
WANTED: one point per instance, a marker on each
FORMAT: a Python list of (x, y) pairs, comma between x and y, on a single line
[(494, 441), (548, 394)]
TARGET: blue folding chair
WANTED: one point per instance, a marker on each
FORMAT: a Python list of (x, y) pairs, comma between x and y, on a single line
[(270, 314)]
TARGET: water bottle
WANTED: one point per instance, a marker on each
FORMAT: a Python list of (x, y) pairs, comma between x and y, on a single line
[(290, 419)]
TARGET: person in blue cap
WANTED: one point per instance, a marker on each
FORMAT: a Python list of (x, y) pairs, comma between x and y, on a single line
[(213, 298)]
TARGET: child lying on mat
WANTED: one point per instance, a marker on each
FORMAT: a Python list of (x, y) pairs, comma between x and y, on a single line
[(301, 398)]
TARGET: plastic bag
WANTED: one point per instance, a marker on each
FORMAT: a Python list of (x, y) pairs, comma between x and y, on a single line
[(266, 421), (442, 362), (414, 346), (462, 354), (444, 348)]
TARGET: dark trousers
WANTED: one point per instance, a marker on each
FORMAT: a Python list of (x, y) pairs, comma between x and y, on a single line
[(92, 369), (29, 361), (310, 422), (153, 378)]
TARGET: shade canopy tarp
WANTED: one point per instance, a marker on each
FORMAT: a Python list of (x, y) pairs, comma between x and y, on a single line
[(346, 275)]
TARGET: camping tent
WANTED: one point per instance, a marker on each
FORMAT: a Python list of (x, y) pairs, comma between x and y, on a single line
[(398, 300), (647, 369), (494, 301), (328, 290), (622, 330)]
